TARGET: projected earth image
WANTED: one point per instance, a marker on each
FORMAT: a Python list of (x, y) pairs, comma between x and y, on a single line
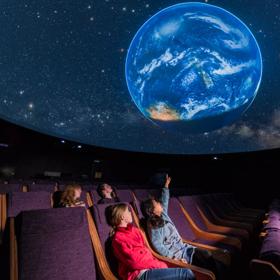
[(193, 67)]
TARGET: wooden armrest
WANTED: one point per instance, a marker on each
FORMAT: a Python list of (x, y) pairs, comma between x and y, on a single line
[(234, 224), (103, 265), (264, 270), (265, 222), (3, 215), (230, 230), (200, 273), (89, 200), (223, 229), (263, 234), (221, 238), (218, 253), (13, 251), (211, 236)]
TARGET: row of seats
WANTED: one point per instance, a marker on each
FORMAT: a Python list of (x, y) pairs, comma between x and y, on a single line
[(42, 234), (50, 187), (215, 222), (267, 266)]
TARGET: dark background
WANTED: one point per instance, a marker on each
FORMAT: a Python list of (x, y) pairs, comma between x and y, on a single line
[(252, 176)]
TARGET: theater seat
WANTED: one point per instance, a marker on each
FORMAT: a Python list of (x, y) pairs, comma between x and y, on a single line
[(215, 212), (55, 244), (103, 230), (22, 201), (211, 226), (125, 195), (219, 250), (18, 202), (41, 187), (142, 194), (192, 214), (267, 266), (4, 190)]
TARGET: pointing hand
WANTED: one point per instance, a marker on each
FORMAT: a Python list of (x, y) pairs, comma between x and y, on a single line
[(167, 181)]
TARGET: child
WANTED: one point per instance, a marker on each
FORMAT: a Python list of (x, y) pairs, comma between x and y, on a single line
[(165, 237), (71, 197), (135, 259)]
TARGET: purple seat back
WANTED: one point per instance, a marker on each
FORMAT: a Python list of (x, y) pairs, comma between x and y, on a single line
[(178, 218), (274, 214), (274, 224), (62, 187), (94, 196), (84, 198), (88, 187), (271, 243), (137, 206), (270, 250), (191, 207), (143, 194), (23, 201), (122, 187), (198, 199), (7, 188), (55, 244), (125, 195), (211, 203), (41, 187)]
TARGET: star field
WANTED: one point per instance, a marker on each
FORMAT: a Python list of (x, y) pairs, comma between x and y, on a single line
[(62, 73)]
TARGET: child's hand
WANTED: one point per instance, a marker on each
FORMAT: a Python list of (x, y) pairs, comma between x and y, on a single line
[(167, 181), (183, 261)]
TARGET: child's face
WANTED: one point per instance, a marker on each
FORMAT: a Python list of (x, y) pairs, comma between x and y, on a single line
[(78, 192), (157, 208), (127, 217)]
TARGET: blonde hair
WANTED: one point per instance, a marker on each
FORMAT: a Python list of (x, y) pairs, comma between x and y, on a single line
[(114, 215), (68, 196)]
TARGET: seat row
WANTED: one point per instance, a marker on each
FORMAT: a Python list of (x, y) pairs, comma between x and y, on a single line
[(64, 243), (267, 266), (224, 229)]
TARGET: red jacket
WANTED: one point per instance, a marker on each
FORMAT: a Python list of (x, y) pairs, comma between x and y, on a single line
[(132, 253)]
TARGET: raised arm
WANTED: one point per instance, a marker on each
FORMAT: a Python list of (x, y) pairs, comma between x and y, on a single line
[(165, 194)]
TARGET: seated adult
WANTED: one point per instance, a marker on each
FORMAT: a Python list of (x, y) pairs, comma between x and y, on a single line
[(107, 193), (71, 197)]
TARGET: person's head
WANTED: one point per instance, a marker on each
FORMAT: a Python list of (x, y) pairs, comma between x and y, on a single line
[(71, 194), (118, 215), (152, 207), (152, 210), (25, 187), (105, 191)]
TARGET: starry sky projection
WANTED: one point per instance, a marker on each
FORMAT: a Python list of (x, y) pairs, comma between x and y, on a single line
[(62, 73)]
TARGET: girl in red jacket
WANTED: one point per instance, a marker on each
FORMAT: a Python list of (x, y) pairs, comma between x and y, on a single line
[(135, 259)]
